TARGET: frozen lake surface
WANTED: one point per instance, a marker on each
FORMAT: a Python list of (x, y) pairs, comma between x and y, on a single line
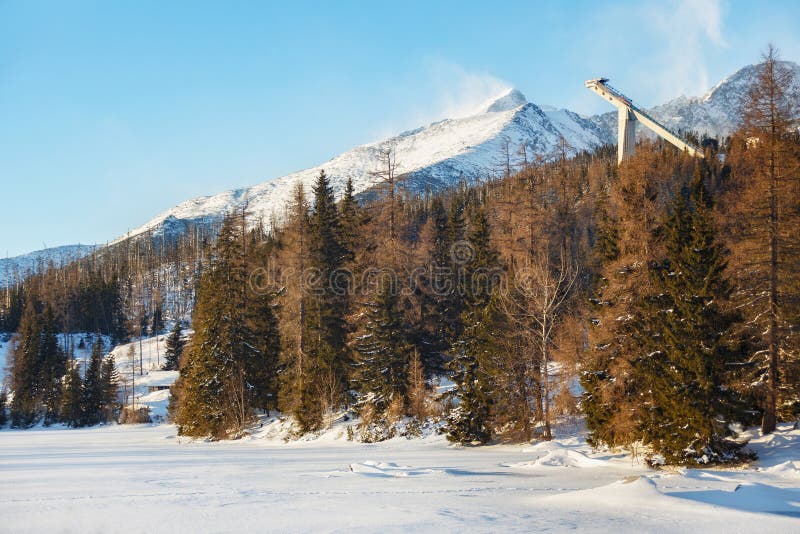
[(145, 479)]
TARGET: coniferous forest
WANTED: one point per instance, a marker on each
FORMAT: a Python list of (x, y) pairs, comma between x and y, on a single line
[(659, 300)]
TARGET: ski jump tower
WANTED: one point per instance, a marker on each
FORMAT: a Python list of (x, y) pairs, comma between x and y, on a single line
[(627, 116)]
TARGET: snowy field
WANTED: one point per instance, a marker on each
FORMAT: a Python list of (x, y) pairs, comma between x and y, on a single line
[(144, 479)]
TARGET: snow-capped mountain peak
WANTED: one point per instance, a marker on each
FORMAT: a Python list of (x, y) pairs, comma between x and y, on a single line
[(715, 114), (431, 157), (511, 99)]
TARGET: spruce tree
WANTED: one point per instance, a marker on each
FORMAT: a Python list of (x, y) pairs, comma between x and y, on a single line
[(26, 371), (52, 367), (686, 331), (227, 371), (209, 387), (326, 254), (38, 365), (261, 365), (445, 308), (326, 373), (157, 320), (71, 399), (3, 403), (606, 241), (110, 380), (383, 351), (350, 220), (458, 246), (93, 397), (479, 340), (175, 347)]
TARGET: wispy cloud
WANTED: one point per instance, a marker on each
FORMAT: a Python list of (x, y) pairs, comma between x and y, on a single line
[(458, 92), (684, 31), (440, 89)]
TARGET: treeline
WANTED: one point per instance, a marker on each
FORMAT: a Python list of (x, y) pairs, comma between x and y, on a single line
[(668, 287), (117, 290), (659, 298), (47, 382)]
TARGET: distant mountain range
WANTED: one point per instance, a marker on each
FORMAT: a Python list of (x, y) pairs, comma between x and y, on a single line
[(21, 266), (715, 114), (446, 152)]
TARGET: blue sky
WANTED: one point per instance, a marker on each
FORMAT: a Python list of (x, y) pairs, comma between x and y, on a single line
[(113, 111)]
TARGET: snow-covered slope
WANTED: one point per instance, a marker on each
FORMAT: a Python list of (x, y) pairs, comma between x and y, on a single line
[(21, 266), (715, 114), (435, 156)]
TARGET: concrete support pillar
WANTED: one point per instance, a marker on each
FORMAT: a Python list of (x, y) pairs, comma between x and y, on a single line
[(626, 133)]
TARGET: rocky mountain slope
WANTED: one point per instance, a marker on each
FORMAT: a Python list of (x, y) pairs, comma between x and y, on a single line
[(434, 156), (715, 114)]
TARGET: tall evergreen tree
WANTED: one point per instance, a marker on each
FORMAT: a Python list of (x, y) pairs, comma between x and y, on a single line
[(175, 347), (479, 340), (52, 366), (327, 254), (350, 220), (222, 378), (479, 343), (110, 380), (326, 370), (383, 351), (606, 241), (210, 387), (446, 301), (71, 399), (38, 364), (686, 332), (3, 403), (157, 320), (262, 365), (94, 395), (25, 408)]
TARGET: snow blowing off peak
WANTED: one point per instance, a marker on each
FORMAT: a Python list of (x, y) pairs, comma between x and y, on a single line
[(509, 100)]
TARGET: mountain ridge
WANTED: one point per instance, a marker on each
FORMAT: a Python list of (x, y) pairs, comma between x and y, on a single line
[(468, 148)]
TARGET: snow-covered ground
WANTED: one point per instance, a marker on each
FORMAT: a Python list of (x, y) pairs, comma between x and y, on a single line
[(144, 378), (145, 373), (143, 478)]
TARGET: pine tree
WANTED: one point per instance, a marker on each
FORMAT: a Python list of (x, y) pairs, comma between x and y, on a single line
[(686, 333), (175, 347), (383, 352)]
